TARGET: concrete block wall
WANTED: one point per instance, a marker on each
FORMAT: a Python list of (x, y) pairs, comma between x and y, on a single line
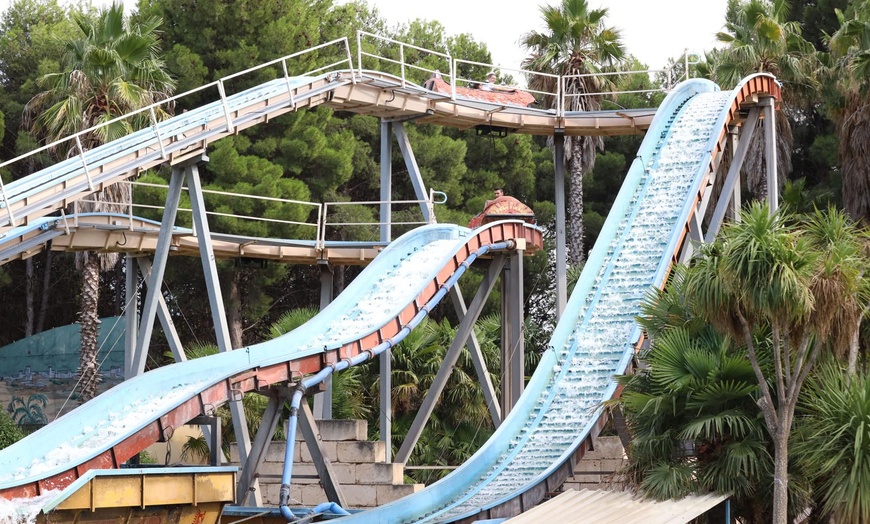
[(365, 480), (596, 469)]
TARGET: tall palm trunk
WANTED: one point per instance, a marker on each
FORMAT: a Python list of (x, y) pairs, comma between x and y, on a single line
[(234, 310), (575, 206), (29, 299), (90, 321), (854, 130)]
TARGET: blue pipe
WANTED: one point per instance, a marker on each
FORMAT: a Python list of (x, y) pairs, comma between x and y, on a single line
[(341, 365)]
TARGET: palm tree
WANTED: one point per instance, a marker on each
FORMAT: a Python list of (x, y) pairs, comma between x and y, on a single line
[(796, 286), (576, 42), (111, 68), (833, 442), (691, 410), (851, 66), (760, 39)]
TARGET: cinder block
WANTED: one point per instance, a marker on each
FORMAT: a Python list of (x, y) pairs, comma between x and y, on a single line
[(340, 430), (277, 451), (271, 493), (360, 452), (273, 468), (312, 495), (391, 493), (609, 448), (328, 449), (305, 474), (345, 473), (611, 465), (360, 496), (379, 473)]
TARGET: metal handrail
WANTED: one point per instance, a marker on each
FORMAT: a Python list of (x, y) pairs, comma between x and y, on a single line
[(401, 62), (430, 203), (219, 84), (320, 225)]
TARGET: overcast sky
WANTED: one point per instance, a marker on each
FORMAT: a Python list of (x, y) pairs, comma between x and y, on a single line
[(653, 30)]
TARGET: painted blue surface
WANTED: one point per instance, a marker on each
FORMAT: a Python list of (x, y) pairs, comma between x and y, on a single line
[(456, 496), (80, 430)]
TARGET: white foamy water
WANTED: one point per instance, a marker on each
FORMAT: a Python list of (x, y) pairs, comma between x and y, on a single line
[(589, 359), (92, 440), (394, 289), (24, 511)]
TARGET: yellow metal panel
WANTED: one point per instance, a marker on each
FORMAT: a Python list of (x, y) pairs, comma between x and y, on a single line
[(167, 489), (215, 487), (80, 499), (117, 492)]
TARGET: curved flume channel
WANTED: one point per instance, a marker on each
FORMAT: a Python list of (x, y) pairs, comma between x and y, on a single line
[(596, 337), (376, 306)]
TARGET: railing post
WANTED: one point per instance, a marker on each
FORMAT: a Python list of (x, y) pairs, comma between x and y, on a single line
[(157, 133), (402, 61), (84, 162), (6, 203), (226, 105), (289, 85)]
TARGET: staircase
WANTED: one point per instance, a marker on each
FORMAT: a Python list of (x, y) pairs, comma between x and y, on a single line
[(366, 481)]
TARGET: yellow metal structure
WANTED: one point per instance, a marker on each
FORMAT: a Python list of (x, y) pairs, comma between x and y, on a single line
[(146, 496)]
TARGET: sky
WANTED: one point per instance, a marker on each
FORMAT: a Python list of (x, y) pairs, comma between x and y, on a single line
[(653, 30)]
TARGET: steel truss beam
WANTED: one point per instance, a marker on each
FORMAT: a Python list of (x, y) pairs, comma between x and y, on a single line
[(464, 334), (155, 305)]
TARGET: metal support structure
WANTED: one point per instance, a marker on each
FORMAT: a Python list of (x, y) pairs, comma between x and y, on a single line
[(732, 179), (218, 314), (212, 436), (328, 478), (164, 316), (131, 313), (246, 487), (463, 334), (386, 211), (161, 255), (323, 400), (561, 239), (413, 170), (385, 367), (489, 393), (512, 340), (733, 211), (770, 150)]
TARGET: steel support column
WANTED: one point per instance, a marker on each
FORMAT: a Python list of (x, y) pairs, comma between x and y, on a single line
[(732, 179), (512, 343), (463, 334), (386, 211), (246, 487), (413, 169), (770, 151), (489, 393), (164, 316), (733, 211), (385, 367), (218, 314), (323, 400), (161, 255), (328, 478), (131, 313), (561, 242)]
